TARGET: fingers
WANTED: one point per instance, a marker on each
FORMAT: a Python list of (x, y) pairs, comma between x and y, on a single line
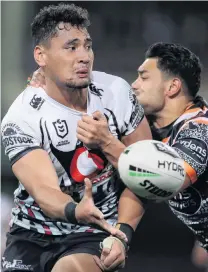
[(113, 231), (97, 115), (112, 256), (88, 134), (40, 70), (87, 119), (82, 132), (98, 215), (116, 257), (33, 83), (118, 263), (88, 194), (98, 262), (93, 132), (118, 233), (86, 129), (105, 252), (38, 79), (88, 188), (91, 119), (104, 225), (111, 261)]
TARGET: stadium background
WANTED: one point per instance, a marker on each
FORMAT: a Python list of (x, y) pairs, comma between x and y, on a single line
[(121, 32)]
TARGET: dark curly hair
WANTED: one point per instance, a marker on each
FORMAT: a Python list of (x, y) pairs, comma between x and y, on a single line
[(177, 60), (44, 25)]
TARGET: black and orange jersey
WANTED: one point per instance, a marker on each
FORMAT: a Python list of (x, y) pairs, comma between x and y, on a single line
[(188, 135)]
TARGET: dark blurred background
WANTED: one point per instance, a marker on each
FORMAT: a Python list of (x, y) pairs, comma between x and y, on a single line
[(121, 32)]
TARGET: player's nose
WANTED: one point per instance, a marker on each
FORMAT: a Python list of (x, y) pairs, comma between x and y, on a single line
[(135, 85), (84, 56)]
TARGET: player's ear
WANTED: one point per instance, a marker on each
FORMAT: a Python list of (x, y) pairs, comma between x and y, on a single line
[(39, 55), (174, 87)]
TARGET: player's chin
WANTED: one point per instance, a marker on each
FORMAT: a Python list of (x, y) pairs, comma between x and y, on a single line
[(79, 83), (147, 108), (141, 99), (83, 82)]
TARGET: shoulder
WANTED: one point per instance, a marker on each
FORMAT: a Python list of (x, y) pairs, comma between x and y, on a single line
[(112, 84), (196, 112), (25, 107), (191, 137), (196, 119), (107, 79)]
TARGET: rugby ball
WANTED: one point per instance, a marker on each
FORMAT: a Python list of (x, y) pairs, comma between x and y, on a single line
[(152, 170)]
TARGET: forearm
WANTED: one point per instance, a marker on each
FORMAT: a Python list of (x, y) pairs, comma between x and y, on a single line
[(130, 209), (113, 147), (113, 151), (37, 174), (52, 202)]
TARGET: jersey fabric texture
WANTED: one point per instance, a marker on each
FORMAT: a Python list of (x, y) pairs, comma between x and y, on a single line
[(188, 135), (35, 121)]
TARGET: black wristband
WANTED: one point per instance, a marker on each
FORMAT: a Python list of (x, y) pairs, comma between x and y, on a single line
[(127, 229), (69, 212)]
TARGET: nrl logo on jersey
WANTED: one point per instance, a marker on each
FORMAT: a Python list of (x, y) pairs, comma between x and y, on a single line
[(61, 128)]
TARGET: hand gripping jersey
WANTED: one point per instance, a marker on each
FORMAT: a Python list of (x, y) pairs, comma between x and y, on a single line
[(189, 136), (36, 121)]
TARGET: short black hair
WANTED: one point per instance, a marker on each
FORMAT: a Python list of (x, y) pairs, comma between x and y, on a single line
[(177, 60), (44, 25)]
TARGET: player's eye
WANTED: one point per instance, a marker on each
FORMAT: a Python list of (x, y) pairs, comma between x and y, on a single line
[(89, 47), (72, 48), (143, 78)]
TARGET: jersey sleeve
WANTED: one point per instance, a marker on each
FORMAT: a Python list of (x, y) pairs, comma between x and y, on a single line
[(130, 112), (191, 144), (19, 136)]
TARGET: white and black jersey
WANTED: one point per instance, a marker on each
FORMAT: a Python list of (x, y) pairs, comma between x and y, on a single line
[(35, 120)]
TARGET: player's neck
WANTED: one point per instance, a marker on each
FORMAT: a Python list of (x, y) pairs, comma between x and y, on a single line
[(172, 111), (74, 99)]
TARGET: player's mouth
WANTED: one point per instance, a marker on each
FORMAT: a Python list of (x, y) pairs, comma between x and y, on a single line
[(136, 92), (83, 73)]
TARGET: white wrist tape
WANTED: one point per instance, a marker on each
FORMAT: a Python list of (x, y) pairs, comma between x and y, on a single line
[(108, 243)]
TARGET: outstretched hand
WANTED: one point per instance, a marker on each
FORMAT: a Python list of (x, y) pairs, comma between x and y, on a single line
[(87, 213)]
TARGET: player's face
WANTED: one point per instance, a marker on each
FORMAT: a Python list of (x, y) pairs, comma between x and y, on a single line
[(69, 57), (150, 87)]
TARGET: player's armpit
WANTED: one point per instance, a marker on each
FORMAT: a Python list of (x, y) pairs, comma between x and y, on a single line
[(37, 174)]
